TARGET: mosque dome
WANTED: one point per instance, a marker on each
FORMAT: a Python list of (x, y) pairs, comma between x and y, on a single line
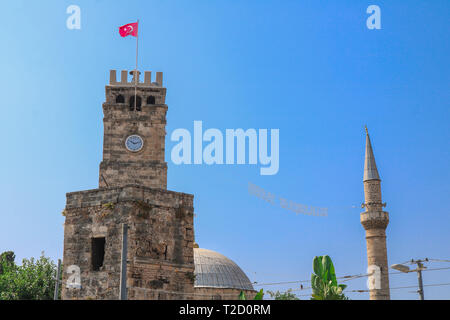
[(214, 270)]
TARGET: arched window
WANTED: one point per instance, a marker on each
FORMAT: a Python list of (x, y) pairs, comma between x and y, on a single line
[(120, 99), (151, 100), (138, 103)]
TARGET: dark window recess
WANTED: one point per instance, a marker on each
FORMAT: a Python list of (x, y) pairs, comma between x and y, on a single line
[(120, 99), (98, 253), (138, 103), (151, 100)]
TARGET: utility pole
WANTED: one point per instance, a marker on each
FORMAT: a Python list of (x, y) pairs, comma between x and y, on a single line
[(123, 271), (58, 272), (420, 267)]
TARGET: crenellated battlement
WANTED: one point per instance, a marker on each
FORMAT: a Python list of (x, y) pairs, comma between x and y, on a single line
[(124, 80)]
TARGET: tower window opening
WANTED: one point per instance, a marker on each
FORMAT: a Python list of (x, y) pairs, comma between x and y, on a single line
[(98, 253), (120, 99), (151, 100), (138, 103)]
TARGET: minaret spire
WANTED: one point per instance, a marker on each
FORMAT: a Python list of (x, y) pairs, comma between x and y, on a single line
[(370, 167)]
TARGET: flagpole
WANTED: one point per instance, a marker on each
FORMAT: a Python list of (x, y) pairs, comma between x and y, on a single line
[(136, 70)]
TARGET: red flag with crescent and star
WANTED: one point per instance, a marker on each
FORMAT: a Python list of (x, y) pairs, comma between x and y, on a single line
[(129, 29)]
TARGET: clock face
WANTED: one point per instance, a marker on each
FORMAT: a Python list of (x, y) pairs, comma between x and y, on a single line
[(134, 143)]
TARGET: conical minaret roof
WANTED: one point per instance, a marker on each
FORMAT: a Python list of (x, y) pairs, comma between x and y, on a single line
[(370, 167)]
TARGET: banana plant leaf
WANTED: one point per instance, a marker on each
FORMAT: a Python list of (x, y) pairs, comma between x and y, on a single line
[(259, 295), (323, 280)]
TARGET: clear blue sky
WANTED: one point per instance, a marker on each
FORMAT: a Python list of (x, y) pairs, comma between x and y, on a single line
[(309, 68)]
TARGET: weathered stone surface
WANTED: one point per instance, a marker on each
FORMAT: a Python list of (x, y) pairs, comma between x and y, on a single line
[(133, 191), (374, 219), (375, 223), (160, 240), (146, 167)]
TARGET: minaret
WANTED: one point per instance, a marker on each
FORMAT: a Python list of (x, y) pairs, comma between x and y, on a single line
[(375, 221)]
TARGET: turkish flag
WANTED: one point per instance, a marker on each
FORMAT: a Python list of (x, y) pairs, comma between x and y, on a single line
[(129, 29)]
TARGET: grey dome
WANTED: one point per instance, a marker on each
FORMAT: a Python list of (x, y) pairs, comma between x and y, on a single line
[(214, 270)]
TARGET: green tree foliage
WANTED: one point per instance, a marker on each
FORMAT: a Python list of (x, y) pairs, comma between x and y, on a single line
[(33, 280), (323, 280), (287, 295), (6, 261), (259, 295)]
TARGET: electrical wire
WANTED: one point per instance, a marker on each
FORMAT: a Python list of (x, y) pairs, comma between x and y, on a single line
[(365, 275), (407, 287), (348, 278), (303, 281), (352, 277), (435, 269), (439, 260), (277, 283)]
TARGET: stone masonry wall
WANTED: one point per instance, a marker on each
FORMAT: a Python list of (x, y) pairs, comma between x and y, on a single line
[(160, 242), (375, 221), (146, 167), (149, 174)]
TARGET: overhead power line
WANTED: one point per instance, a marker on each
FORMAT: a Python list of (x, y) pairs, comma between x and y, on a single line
[(348, 278), (439, 260), (407, 287), (426, 260)]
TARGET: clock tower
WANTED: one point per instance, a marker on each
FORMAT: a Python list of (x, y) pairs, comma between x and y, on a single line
[(134, 132), (132, 192)]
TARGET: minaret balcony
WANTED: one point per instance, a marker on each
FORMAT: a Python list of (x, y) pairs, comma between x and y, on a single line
[(374, 219)]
